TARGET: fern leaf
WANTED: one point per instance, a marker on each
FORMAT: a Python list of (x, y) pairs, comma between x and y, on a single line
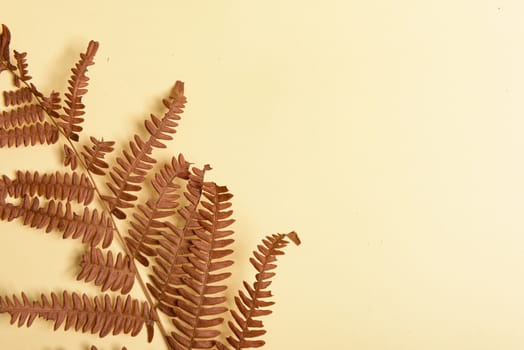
[(9, 211), (70, 157), (107, 273), (94, 155), (21, 64), (27, 114), (100, 314), (252, 302), (174, 247), (77, 88), (130, 172), (51, 103), (29, 135), (91, 227), (5, 53), (221, 346), (197, 311), (62, 186), (145, 228), (17, 97)]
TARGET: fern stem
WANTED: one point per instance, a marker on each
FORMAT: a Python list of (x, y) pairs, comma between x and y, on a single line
[(119, 236)]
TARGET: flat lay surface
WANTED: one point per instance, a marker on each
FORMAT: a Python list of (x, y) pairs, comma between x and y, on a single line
[(388, 134)]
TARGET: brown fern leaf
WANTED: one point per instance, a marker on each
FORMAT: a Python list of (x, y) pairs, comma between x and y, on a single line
[(5, 53), (27, 114), (18, 96), (146, 226), (96, 315), (221, 346), (198, 308), (91, 227), (21, 64), (9, 211), (51, 103), (193, 195), (29, 135), (64, 186), (70, 157), (174, 248), (252, 304), (94, 155), (130, 172), (107, 273), (78, 83)]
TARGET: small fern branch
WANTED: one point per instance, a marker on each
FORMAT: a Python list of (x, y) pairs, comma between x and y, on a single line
[(145, 228), (198, 309), (93, 228), (21, 64), (27, 114), (78, 83), (17, 97), (100, 315), (174, 247), (94, 155), (252, 304), (130, 172), (107, 273), (62, 186), (29, 135)]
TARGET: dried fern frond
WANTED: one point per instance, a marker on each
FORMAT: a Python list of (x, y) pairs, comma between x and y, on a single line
[(63, 186), (21, 64), (100, 314), (252, 304), (132, 168), (107, 273), (23, 115), (77, 88), (18, 96), (146, 225), (174, 247), (29, 135), (90, 226), (189, 246), (94, 155), (198, 309)]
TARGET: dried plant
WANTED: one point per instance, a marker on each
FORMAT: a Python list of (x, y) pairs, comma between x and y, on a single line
[(181, 233)]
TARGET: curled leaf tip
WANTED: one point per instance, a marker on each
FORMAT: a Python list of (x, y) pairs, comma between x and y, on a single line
[(178, 89), (293, 236)]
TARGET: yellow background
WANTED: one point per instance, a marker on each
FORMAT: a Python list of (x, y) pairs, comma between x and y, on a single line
[(389, 134)]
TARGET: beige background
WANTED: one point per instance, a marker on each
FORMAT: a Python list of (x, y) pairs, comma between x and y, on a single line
[(389, 134)]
